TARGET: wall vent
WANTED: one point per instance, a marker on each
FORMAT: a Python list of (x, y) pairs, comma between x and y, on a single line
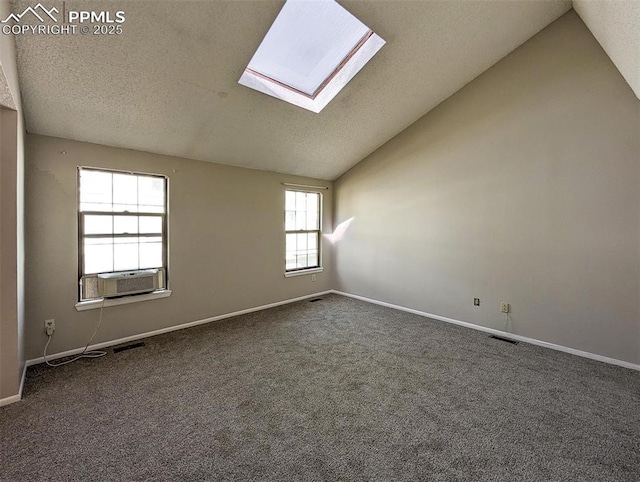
[(513, 342), (128, 347)]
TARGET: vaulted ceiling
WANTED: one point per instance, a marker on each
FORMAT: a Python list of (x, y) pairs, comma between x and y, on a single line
[(616, 25), (169, 83)]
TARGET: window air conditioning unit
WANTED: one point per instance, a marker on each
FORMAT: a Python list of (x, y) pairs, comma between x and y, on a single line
[(128, 283)]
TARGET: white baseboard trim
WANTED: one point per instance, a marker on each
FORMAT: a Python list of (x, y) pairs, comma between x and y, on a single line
[(98, 346), (9, 400), (533, 341), (504, 334)]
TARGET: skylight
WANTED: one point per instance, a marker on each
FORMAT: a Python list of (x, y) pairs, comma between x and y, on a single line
[(312, 50)]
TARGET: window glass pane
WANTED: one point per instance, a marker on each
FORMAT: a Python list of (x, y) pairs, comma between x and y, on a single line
[(290, 220), (290, 201), (302, 211), (98, 255), (312, 259), (312, 220), (125, 192), (125, 254), (95, 188), (96, 207), (150, 191), (291, 243), (301, 242), (312, 202), (301, 260), (301, 222), (98, 224), (301, 201), (150, 255), (312, 241), (290, 261), (125, 224), (150, 224)]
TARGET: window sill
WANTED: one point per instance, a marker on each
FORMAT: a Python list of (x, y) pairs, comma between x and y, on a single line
[(97, 304), (291, 274)]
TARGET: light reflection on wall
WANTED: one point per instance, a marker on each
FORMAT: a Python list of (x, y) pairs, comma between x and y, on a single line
[(339, 232)]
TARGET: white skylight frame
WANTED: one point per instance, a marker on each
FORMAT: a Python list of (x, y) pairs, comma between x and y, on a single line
[(311, 93)]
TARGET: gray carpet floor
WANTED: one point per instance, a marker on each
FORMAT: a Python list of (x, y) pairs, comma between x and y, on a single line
[(331, 390)]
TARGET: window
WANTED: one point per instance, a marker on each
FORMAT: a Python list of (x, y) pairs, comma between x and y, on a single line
[(122, 225), (302, 228), (312, 50)]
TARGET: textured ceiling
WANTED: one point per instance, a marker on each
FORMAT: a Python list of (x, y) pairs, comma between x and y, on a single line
[(6, 99), (169, 84), (616, 25)]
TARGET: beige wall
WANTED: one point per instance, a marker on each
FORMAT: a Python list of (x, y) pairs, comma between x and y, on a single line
[(226, 243), (11, 221), (522, 187)]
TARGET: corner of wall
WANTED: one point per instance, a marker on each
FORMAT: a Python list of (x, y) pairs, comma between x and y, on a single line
[(13, 207)]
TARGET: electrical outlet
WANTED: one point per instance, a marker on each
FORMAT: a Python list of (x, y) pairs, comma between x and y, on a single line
[(313, 278), (49, 326), (504, 307), (476, 302)]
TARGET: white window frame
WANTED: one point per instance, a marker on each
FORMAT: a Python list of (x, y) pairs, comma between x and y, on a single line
[(90, 303), (312, 269)]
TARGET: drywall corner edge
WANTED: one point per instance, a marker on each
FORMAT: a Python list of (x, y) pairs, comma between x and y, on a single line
[(18, 396)]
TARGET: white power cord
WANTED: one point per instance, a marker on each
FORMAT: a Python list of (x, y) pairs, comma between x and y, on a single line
[(507, 320), (85, 353)]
